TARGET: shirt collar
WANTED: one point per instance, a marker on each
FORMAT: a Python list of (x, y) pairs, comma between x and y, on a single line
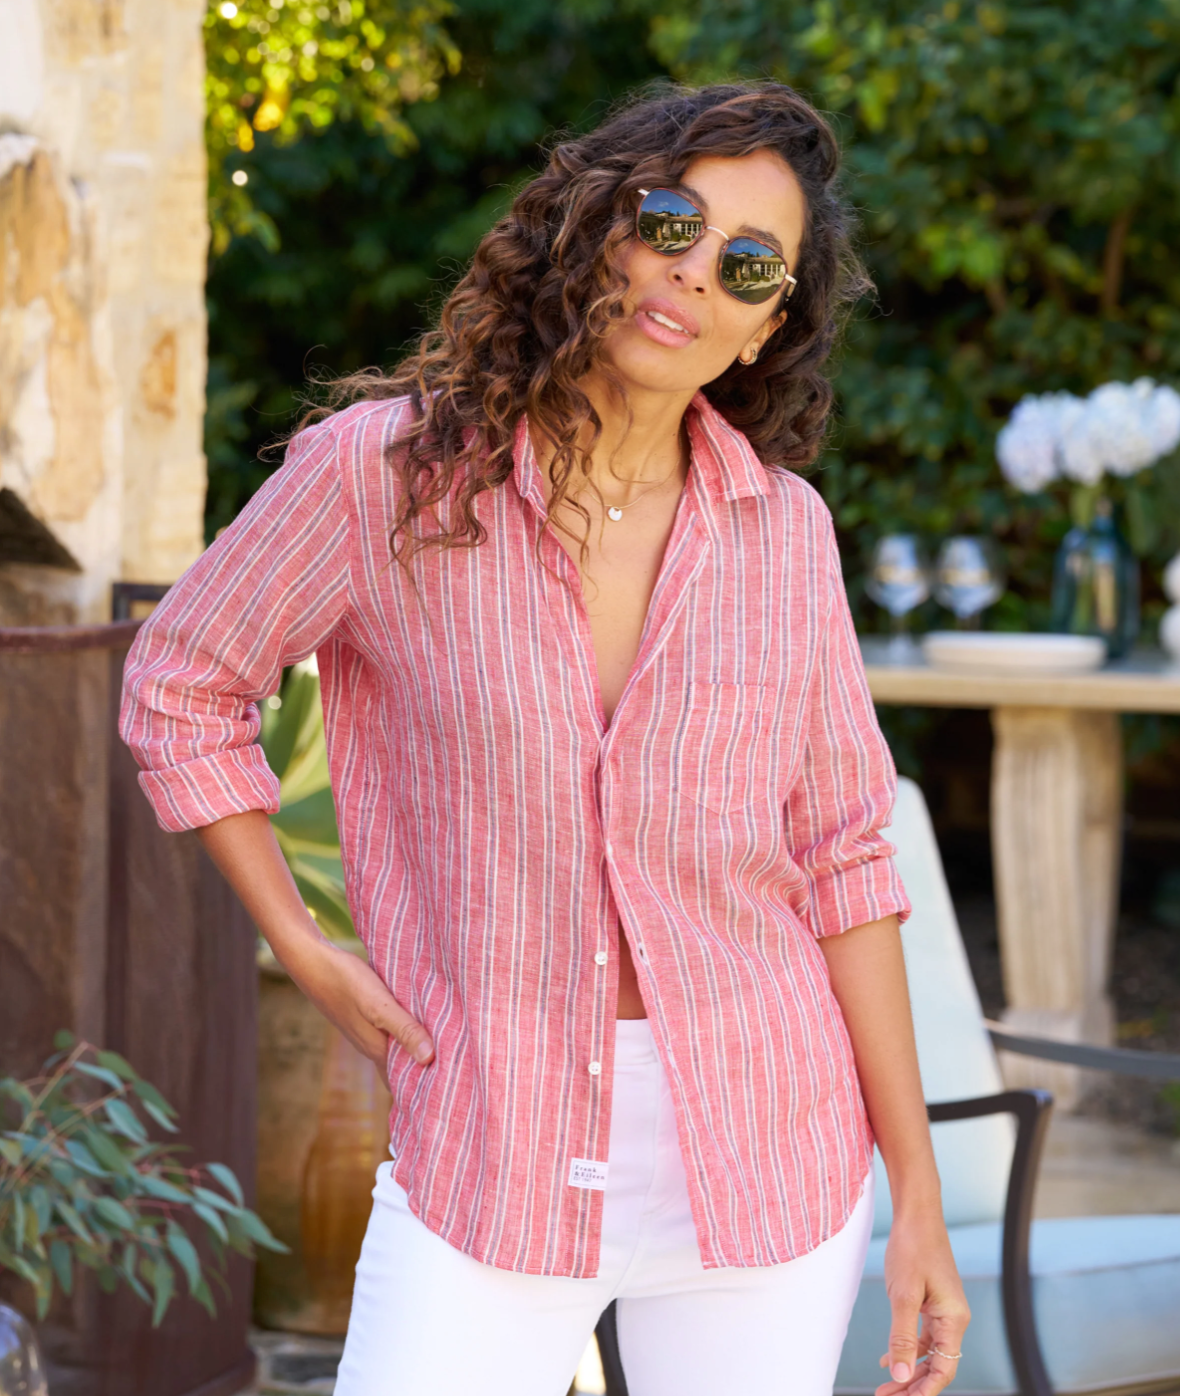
[(722, 458)]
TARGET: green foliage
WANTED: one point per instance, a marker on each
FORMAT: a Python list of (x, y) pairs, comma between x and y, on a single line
[(294, 68), (305, 827), (1016, 166), (82, 1182), (372, 234)]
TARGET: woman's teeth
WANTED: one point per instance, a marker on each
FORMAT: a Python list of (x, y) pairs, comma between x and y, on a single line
[(663, 320)]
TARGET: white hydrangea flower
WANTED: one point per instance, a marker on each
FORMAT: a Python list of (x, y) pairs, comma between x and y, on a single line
[(1170, 633), (1163, 419), (1026, 447), (1118, 417), (1172, 580), (1120, 428)]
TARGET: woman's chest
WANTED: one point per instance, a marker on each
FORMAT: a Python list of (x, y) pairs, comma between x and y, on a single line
[(514, 637)]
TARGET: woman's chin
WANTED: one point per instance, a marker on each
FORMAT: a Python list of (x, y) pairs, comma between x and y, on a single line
[(659, 372)]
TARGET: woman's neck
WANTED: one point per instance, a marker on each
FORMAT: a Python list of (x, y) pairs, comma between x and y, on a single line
[(641, 443)]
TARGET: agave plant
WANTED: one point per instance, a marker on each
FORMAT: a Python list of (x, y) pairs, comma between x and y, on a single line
[(293, 740), (81, 1181)]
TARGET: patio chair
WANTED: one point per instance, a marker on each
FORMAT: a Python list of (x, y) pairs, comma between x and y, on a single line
[(1074, 1305)]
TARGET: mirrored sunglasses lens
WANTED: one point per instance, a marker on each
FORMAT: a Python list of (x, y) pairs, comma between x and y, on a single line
[(668, 222), (751, 271)]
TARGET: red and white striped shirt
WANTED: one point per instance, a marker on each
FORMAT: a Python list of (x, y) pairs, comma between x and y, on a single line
[(494, 831)]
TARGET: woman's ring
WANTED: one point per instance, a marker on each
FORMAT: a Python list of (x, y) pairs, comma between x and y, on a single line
[(950, 1356)]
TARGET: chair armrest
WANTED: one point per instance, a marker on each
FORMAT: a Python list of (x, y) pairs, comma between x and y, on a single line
[(1126, 1061), (1032, 1110), (607, 1333)]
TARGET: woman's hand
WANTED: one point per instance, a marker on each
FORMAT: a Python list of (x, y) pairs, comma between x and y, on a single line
[(922, 1281), (339, 983), (354, 997), (867, 971)]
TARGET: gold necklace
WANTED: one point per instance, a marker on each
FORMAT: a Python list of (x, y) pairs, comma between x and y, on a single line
[(615, 511)]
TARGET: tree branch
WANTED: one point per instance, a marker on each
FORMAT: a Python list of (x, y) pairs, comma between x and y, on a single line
[(1112, 262)]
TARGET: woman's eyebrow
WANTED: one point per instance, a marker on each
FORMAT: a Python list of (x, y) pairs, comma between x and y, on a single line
[(762, 235), (746, 229)]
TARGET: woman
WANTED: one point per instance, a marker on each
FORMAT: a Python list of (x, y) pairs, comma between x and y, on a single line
[(609, 788)]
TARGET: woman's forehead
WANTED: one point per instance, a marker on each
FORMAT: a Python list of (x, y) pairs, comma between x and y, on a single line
[(755, 190)]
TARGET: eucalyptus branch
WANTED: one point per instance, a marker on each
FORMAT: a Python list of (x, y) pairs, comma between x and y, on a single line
[(82, 1181)]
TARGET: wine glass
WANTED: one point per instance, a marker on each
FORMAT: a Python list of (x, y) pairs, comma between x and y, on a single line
[(968, 577), (898, 577)]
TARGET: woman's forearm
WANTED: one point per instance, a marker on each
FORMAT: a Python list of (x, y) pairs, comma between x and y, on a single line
[(868, 978), (248, 856), (339, 983)]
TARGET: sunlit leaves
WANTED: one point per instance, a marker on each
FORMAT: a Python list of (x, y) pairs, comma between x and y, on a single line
[(290, 68)]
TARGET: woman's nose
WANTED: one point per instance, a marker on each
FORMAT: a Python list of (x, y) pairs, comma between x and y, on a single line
[(693, 270)]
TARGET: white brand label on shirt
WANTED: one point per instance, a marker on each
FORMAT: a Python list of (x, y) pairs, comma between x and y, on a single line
[(588, 1173)]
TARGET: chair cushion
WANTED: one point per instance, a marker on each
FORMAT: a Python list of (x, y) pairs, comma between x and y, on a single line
[(955, 1054), (1106, 1292)]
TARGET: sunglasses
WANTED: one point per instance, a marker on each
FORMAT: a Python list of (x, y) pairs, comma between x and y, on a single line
[(750, 271)]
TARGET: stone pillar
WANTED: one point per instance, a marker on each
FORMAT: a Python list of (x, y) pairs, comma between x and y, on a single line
[(1056, 839), (102, 324)]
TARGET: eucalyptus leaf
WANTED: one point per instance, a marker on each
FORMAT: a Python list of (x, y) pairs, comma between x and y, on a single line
[(125, 1121), (114, 1214), (203, 1295), (258, 1232), (225, 1176), (62, 1260), (71, 1218), (212, 1220), (85, 1160), (214, 1199), (119, 1065), (163, 1120), (160, 1187), (186, 1254), (101, 1073), (149, 1095)]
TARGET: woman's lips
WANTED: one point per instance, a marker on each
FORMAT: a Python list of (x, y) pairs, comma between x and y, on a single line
[(666, 324)]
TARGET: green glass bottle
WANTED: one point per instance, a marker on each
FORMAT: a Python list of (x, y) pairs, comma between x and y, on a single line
[(1096, 583)]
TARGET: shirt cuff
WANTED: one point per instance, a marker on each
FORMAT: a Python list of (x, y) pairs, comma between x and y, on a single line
[(853, 896), (202, 791)]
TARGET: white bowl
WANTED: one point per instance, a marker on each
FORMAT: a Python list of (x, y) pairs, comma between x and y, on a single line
[(979, 652)]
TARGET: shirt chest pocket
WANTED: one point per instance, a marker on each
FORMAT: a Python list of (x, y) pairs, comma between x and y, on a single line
[(729, 752)]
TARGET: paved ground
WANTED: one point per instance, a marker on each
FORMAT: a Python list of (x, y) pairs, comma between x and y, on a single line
[(1092, 1167), (293, 1366)]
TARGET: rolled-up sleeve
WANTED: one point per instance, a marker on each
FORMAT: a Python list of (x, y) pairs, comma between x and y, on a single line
[(847, 782), (267, 593)]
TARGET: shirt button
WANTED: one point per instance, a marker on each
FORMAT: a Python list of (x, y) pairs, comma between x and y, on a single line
[(600, 958), (610, 850), (594, 1068)]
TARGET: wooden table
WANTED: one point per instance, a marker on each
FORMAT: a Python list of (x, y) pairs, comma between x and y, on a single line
[(1056, 823)]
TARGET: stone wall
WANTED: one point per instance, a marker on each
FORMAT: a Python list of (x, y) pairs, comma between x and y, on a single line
[(102, 324)]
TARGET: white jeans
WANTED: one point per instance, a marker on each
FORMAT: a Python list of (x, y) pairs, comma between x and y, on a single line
[(428, 1320)]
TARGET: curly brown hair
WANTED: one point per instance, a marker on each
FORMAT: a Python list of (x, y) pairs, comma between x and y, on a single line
[(528, 320)]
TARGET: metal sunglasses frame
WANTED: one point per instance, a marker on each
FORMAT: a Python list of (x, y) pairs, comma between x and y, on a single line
[(788, 280)]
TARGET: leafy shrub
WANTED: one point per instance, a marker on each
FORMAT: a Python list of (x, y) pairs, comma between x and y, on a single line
[(81, 1181)]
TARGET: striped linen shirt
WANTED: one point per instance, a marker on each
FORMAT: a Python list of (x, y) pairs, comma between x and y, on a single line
[(494, 831)]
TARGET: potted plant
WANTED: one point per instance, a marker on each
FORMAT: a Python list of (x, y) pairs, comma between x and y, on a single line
[(323, 1108), (83, 1183)]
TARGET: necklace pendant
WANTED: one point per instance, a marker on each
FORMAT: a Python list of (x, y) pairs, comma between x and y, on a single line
[(614, 512)]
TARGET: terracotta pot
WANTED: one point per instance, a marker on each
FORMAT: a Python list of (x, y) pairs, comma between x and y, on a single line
[(323, 1127)]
